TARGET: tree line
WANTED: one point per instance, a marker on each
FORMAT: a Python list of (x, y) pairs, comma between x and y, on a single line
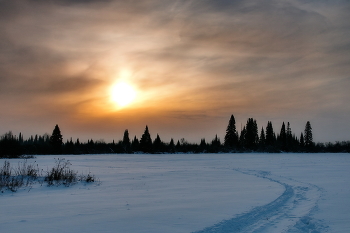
[(249, 139)]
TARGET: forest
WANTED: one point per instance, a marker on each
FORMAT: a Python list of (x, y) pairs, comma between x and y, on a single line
[(247, 141)]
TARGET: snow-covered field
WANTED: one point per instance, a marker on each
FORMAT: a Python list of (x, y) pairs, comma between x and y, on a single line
[(188, 193)]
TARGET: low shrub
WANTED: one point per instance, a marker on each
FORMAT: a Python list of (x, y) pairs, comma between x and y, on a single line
[(13, 178), (26, 174), (88, 178), (61, 174)]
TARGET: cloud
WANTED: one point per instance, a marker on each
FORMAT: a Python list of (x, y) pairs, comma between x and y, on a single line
[(196, 59)]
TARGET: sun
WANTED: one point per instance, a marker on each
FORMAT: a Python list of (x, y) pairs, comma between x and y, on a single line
[(123, 94)]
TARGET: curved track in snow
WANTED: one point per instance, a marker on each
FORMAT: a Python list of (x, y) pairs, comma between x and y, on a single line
[(289, 213)]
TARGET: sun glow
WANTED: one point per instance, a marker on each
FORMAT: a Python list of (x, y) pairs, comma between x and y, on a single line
[(123, 94)]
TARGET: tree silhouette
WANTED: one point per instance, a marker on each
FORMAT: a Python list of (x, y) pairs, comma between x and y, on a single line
[(56, 140), (215, 144), (171, 146), (9, 146), (231, 137), (242, 137), (20, 138), (157, 144), (283, 138), (251, 137), (68, 147), (13, 146), (290, 138), (126, 141), (146, 141), (135, 144), (262, 138), (308, 135), (302, 142), (203, 145), (270, 138), (178, 146)]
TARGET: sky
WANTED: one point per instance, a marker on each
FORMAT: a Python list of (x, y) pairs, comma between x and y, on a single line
[(192, 64)]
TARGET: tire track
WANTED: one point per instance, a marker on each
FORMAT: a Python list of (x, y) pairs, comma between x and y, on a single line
[(290, 212)]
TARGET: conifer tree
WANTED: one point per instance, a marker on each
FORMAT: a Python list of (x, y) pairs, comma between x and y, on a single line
[(126, 142), (46, 138), (231, 137), (289, 130), (251, 136), (40, 139), (146, 141), (20, 138), (172, 146), (270, 137), (242, 137), (308, 135), (302, 142), (9, 146), (135, 144), (202, 145), (262, 138), (69, 147), (290, 138), (157, 144), (56, 140), (178, 146), (283, 137), (126, 139), (216, 143)]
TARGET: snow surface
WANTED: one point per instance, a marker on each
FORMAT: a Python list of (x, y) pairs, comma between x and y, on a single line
[(188, 193)]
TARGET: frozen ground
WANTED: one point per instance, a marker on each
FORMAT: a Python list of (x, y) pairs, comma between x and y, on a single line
[(188, 193)]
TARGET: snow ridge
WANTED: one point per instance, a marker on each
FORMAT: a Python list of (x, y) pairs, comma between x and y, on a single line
[(289, 213)]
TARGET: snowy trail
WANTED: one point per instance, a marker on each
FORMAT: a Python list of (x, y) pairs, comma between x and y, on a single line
[(290, 212)]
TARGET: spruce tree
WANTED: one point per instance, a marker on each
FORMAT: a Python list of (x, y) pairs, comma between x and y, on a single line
[(178, 146), (20, 138), (308, 135), (270, 138), (289, 131), (283, 137), (262, 138), (215, 144), (251, 136), (290, 138), (47, 138), (242, 141), (202, 145), (40, 139), (135, 144), (302, 142), (157, 144), (171, 146), (9, 146), (231, 137), (126, 141), (146, 141), (56, 140)]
